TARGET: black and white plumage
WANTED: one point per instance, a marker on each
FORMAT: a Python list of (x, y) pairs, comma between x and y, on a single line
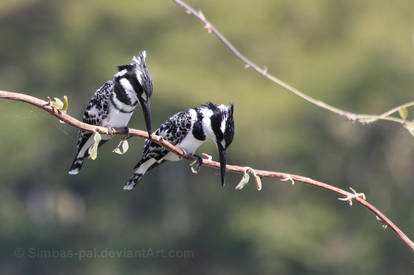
[(113, 104), (187, 130)]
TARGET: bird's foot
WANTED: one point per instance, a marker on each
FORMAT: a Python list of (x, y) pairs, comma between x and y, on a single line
[(119, 130), (110, 131), (128, 135), (196, 164)]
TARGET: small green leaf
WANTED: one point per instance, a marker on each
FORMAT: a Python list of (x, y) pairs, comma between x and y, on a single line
[(65, 104), (122, 147), (57, 103), (93, 150), (65, 107), (403, 112), (244, 180), (60, 105), (97, 138)]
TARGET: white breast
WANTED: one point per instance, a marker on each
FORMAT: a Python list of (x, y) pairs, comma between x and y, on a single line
[(116, 118), (189, 144)]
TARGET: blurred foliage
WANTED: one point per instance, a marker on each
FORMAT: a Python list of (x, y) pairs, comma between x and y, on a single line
[(356, 55)]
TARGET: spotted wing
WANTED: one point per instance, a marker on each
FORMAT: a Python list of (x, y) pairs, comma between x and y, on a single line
[(174, 130), (96, 111)]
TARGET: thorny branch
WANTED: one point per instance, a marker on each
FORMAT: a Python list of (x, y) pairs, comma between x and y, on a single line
[(345, 195), (362, 118)]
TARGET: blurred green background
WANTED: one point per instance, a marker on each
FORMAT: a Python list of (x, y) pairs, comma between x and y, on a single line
[(357, 55)]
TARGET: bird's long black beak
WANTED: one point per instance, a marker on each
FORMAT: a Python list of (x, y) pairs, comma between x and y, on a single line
[(223, 163), (147, 115)]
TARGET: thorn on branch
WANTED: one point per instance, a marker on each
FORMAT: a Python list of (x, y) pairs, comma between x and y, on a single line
[(208, 27), (265, 69), (188, 12), (49, 102), (289, 177), (382, 222), (350, 197), (246, 66), (201, 15)]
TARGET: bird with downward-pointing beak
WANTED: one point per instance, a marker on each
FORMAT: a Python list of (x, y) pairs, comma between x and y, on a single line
[(113, 104), (187, 130)]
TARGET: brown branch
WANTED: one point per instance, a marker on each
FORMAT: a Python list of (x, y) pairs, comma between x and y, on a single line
[(345, 195), (362, 118)]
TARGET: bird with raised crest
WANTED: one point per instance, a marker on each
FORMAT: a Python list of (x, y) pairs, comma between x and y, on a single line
[(187, 130), (113, 104)]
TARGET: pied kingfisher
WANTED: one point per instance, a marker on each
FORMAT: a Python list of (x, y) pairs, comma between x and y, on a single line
[(112, 105), (188, 130)]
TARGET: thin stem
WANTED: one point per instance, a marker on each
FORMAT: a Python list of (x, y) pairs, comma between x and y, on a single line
[(264, 72), (390, 112), (348, 196)]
